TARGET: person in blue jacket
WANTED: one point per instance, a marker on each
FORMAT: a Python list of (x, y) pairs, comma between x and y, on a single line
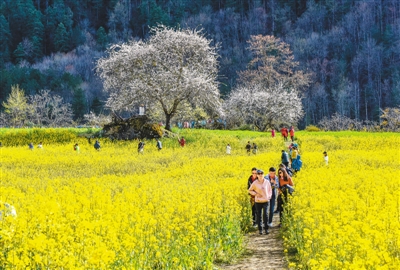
[(297, 164)]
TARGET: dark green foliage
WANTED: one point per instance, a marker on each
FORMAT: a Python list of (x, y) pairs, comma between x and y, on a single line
[(79, 104), (96, 106)]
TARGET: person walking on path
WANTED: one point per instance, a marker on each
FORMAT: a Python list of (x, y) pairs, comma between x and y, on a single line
[(140, 147), (284, 133), (291, 132), (159, 145), (262, 192), (250, 181), (284, 181), (97, 145), (182, 142), (285, 158), (228, 149), (248, 147), (274, 181)]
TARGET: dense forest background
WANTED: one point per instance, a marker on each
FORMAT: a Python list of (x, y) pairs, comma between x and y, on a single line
[(351, 48)]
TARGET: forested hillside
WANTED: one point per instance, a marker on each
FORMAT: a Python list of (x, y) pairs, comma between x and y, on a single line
[(351, 48)]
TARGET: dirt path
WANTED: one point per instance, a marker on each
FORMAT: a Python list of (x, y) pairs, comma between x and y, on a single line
[(262, 252)]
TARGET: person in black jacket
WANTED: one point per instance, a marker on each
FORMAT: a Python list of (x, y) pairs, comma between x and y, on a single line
[(252, 178)]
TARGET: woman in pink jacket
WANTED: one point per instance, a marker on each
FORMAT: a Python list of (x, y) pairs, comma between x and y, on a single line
[(261, 190)]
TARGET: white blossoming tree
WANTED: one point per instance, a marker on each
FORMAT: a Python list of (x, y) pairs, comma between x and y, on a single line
[(263, 107), (173, 67)]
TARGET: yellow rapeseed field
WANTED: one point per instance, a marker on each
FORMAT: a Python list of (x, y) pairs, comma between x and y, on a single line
[(180, 208), (347, 215), (187, 208)]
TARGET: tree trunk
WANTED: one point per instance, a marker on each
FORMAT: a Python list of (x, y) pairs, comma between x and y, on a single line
[(168, 121)]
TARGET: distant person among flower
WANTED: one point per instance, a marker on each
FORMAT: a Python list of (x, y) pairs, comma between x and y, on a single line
[(273, 133), (228, 149), (255, 148), (182, 142), (291, 132), (97, 145), (285, 158), (159, 145), (30, 145), (248, 147), (76, 148), (140, 147), (40, 145), (326, 158)]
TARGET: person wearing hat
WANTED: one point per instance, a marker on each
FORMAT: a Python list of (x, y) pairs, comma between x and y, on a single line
[(262, 192)]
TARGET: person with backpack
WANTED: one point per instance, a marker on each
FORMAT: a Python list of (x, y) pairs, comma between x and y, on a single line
[(285, 186), (262, 192), (140, 147), (297, 164), (285, 158)]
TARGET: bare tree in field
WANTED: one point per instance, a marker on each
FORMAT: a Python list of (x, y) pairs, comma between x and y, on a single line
[(270, 88), (254, 104), (172, 67), (273, 63), (49, 110)]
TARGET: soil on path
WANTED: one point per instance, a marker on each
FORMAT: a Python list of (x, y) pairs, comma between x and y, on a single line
[(262, 252)]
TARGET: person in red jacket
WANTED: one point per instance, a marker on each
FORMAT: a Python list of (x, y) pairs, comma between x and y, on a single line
[(284, 132), (182, 142), (291, 132)]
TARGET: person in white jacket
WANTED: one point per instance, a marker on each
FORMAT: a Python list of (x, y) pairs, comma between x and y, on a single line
[(261, 189)]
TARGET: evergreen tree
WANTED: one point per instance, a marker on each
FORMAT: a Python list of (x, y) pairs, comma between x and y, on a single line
[(79, 104), (61, 39), (5, 40), (97, 106), (101, 38)]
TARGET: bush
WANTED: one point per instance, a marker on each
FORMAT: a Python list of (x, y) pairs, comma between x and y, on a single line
[(312, 128)]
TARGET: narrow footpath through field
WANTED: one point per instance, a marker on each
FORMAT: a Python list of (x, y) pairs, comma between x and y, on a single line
[(262, 251)]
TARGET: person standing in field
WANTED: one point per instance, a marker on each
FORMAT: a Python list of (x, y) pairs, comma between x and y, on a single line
[(255, 148), (30, 145), (285, 158), (273, 133), (140, 147), (40, 145), (182, 142), (262, 192), (228, 149), (97, 145), (297, 164), (273, 180), (76, 148), (250, 181), (291, 132), (248, 147), (284, 181), (159, 145), (326, 158)]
